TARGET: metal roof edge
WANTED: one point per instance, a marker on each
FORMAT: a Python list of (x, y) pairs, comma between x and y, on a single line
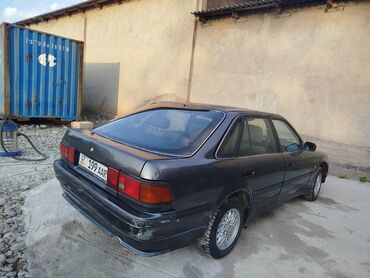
[(69, 11), (259, 5)]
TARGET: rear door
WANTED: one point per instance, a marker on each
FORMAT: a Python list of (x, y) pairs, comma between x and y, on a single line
[(298, 161), (260, 166)]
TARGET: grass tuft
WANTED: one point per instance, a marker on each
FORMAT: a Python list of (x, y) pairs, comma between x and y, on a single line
[(364, 179)]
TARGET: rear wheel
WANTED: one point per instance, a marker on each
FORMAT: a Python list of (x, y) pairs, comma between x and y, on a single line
[(224, 229)]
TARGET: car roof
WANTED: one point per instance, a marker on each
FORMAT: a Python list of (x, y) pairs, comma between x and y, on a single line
[(204, 106)]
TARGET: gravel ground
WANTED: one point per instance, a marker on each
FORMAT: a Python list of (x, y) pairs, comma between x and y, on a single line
[(17, 177)]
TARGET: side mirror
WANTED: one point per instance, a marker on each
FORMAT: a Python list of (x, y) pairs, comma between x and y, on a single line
[(293, 147), (309, 146)]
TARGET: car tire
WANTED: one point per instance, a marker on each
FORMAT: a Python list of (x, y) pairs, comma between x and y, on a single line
[(223, 229), (315, 186)]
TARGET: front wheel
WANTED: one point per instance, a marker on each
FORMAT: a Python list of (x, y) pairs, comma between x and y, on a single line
[(224, 229), (315, 187)]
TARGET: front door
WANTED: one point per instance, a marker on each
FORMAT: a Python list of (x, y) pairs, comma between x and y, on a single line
[(298, 166)]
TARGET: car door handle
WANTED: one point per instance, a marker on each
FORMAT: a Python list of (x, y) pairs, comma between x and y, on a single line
[(249, 172)]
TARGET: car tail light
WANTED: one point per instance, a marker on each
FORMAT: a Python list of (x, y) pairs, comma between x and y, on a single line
[(154, 194), (112, 178), (67, 153), (129, 186), (143, 191)]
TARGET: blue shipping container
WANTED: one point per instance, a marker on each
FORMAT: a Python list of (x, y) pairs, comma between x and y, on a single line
[(40, 75)]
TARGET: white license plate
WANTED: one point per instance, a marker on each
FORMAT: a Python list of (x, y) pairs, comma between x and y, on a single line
[(94, 167)]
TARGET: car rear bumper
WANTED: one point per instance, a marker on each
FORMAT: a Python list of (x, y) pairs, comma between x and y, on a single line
[(143, 233)]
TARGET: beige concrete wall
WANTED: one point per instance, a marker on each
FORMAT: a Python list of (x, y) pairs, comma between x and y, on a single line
[(312, 67), (151, 42), (69, 26)]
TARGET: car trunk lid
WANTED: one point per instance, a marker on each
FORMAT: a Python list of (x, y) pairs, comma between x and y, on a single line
[(108, 153)]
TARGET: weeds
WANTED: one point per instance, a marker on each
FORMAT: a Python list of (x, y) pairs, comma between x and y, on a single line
[(364, 179)]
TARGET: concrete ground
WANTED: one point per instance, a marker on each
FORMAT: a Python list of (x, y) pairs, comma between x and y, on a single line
[(329, 237)]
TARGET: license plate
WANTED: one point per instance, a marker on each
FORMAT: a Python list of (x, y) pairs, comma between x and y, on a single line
[(94, 167)]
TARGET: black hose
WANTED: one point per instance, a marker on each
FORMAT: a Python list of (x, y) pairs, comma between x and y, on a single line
[(44, 156)]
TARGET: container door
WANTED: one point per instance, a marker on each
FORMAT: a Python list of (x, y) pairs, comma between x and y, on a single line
[(44, 71), (2, 94)]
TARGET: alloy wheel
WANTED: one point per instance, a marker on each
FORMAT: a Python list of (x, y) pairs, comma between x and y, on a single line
[(227, 229)]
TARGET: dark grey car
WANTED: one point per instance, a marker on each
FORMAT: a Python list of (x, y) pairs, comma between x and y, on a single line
[(172, 174)]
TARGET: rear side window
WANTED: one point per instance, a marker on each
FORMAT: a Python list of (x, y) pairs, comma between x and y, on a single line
[(262, 137), (229, 146), (245, 143), (168, 131)]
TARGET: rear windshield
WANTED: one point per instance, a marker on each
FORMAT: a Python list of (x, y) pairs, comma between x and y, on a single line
[(168, 131)]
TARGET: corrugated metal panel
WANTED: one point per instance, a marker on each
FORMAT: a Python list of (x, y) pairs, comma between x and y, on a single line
[(44, 75), (239, 6)]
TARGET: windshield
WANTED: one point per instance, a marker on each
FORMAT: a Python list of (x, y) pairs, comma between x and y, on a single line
[(169, 131)]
